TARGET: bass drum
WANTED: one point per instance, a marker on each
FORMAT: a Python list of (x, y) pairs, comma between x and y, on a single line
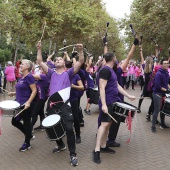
[(54, 127)]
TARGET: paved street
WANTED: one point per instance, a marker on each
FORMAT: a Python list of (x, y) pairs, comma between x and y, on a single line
[(146, 151)]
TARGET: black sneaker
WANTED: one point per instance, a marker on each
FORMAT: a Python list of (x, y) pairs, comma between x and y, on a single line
[(163, 126), (153, 129), (41, 128), (82, 124), (59, 148), (32, 137), (107, 150), (96, 157), (25, 147), (78, 139), (88, 112), (148, 118), (138, 110), (113, 144), (73, 160), (157, 122)]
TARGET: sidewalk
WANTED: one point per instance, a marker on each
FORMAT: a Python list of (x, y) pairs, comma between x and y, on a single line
[(146, 151)]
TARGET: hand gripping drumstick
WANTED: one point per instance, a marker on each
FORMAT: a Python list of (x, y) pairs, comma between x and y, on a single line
[(133, 32), (19, 113), (43, 30), (112, 117), (4, 90)]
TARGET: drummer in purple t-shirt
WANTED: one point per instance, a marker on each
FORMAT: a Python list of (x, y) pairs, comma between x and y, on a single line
[(25, 93), (60, 85)]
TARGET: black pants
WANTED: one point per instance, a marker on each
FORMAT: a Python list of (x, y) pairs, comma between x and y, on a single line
[(128, 83), (4, 85), (80, 113), (114, 127), (67, 116), (38, 110), (75, 109), (24, 127)]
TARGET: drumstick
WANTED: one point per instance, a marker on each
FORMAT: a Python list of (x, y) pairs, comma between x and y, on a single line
[(19, 113), (112, 117), (66, 47), (43, 31), (4, 90)]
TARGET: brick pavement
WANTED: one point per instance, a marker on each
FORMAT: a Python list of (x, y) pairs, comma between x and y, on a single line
[(146, 150)]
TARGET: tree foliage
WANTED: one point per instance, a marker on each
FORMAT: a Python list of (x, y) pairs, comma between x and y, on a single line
[(150, 18), (77, 21)]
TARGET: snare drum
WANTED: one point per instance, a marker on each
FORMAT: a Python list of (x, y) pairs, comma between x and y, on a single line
[(9, 106), (54, 127), (166, 107), (123, 109)]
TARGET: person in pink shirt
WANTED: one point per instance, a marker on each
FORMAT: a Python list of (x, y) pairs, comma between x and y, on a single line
[(10, 76), (131, 75), (139, 75)]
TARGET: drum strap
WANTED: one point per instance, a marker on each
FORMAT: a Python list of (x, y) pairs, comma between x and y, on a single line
[(65, 104)]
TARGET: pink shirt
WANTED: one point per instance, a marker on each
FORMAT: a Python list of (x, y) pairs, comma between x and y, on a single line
[(138, 71), (131, 70), (169, 71), (10, 73)]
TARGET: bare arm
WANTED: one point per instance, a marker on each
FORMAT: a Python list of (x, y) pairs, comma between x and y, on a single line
[(89, 64), (66, 57), (39, 58), (79, 86), (123, 92), (78, 64), (33, 94), (141, 54), (102, 85), (37, 77), (105, 48), (50, 56)]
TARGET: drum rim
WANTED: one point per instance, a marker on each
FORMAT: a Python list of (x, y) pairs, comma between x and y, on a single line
[(167, 100), (119, 104), (10, 108), (53, 124)]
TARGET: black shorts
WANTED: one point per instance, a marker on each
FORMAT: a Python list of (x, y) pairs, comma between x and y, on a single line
[(90, 95), (105, 117)]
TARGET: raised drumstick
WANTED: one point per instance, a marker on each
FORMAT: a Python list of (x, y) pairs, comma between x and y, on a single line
[(43, 31)]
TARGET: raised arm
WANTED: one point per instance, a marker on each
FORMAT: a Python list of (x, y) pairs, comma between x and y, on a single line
[(130, 54), (79, 63), (141, 54), (66, 57), (50, 56), (89, 64), (39, 58)]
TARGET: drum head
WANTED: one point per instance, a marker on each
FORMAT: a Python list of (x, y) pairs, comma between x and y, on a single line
[(9, 105), (51, 120), (125, 106), (167, 100)]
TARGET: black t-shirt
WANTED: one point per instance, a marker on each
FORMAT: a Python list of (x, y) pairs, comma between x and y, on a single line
[(105, 74)]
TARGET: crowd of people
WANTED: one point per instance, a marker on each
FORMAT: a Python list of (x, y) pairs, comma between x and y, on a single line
[(61, 81)]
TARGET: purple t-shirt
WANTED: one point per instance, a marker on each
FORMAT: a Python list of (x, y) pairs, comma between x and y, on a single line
[(50, 64), (43, 86), (89, 79), (74, 92), (23, 90), (60, 82)]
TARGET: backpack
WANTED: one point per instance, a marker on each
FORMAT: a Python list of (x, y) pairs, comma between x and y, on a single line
[(151, 82)]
